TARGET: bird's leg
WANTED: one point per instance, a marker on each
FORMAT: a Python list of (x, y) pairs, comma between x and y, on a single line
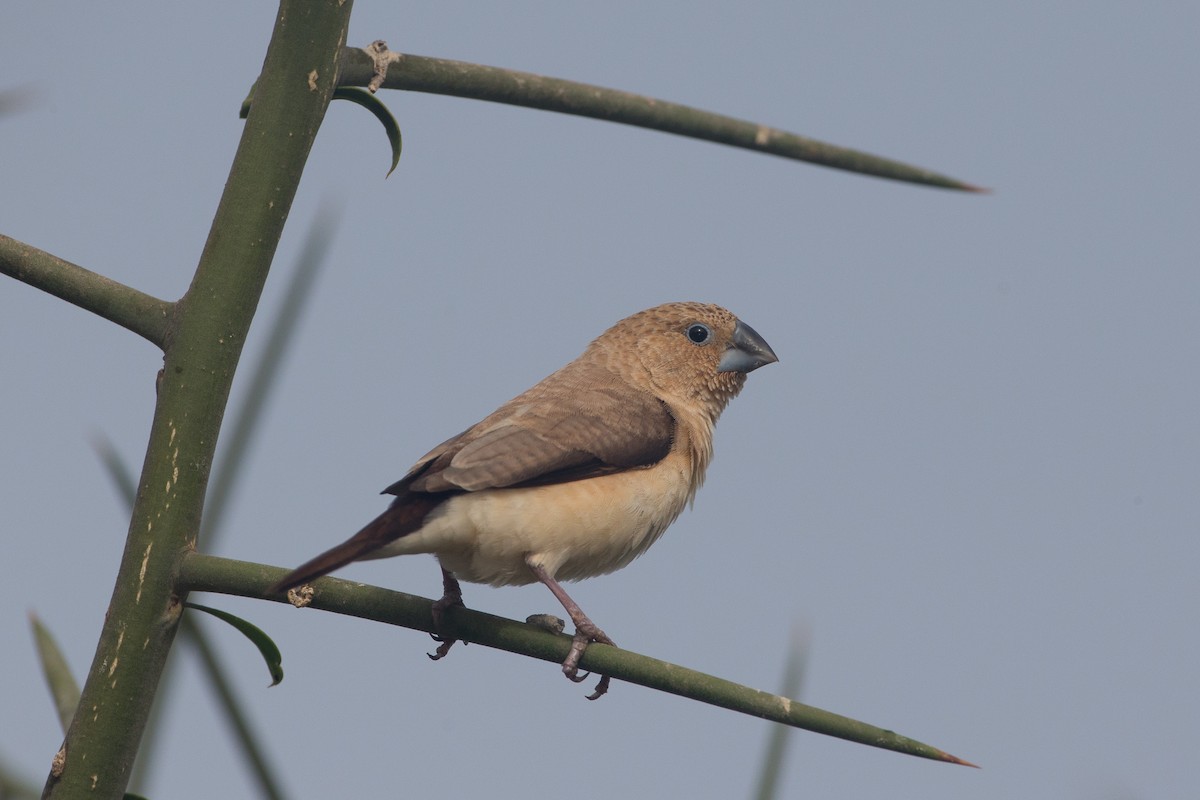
[(451, 596), (586, 631)]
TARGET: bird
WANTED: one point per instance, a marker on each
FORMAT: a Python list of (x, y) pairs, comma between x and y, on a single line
[(575, 477)]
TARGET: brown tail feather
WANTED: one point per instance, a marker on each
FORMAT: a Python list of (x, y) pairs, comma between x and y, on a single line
[(406, 514)]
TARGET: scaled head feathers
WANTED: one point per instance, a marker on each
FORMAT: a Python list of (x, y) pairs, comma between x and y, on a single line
[(682, 352)]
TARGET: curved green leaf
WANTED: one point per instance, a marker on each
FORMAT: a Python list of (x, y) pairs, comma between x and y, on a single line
[(376, 107), (266, 647), (365, 99)]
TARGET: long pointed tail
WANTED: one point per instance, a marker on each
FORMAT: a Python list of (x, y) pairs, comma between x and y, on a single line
[(406, 514)]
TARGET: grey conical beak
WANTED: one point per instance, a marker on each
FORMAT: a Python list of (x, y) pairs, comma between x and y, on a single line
[(747, 351)]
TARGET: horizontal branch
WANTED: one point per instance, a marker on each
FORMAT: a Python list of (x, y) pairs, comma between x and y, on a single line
[(461, 79), (139, 312), (204, 573)]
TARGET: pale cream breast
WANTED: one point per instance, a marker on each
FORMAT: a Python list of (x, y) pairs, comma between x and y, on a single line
[(574, 530)]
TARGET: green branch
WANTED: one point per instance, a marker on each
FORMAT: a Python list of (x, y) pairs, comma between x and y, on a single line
[(209, 328), (460, 79), (146, 316), (206, 573), (228, 701)]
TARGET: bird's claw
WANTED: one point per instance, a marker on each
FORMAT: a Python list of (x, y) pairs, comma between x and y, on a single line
[(585, 635), (601, 688), (442, 649)]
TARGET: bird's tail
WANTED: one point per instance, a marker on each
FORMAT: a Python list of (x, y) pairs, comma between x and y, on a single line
[(404, 516)]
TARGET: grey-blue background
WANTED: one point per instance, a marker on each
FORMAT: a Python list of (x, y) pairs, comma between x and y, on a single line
[(972, 479)]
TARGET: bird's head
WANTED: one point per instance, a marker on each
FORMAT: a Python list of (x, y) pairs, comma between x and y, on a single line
[(687, 352)]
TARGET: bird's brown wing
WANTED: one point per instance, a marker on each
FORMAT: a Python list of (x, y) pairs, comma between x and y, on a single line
[(576, 424)]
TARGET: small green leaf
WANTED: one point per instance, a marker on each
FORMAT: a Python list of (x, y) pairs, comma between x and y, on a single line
[(376, 107), (62, 684), (132, 796), (266, 647)]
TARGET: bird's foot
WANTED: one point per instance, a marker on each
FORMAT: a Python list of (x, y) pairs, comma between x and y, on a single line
[(452, 597), (586, 632)]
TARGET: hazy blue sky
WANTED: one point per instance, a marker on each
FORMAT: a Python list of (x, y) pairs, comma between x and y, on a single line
[(973, 478)]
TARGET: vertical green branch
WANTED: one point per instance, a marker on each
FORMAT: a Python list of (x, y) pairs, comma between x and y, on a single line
[(201, 352)]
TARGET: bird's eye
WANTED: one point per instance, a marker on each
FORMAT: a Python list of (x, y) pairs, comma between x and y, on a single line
[(698, 333)]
